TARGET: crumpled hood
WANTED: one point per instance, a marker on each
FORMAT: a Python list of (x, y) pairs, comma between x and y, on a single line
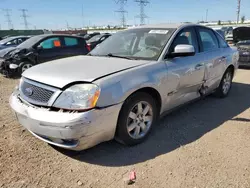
[(62, 72), (5, 51)]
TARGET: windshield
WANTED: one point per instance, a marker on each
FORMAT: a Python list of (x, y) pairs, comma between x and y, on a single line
[(6, 40), (141, 43), (30, 42), (95, 38)]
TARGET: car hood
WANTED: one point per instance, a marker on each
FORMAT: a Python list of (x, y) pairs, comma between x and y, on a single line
[(241, 34), (2, 46), (62, 72), (5, 51)]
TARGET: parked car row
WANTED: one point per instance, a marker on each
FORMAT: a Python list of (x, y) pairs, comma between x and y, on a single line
[(40, 49), (122, 86), (16, 55)]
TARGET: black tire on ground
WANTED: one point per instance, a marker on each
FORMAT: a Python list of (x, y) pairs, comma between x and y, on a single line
[(25, 65), (122, 133), (220, 92)]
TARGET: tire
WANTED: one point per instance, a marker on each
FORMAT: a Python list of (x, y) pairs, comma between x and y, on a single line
[(133, 127), (25, 65), (225, 85)]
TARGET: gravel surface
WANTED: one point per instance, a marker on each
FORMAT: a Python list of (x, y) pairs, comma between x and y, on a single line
[(204, 144)]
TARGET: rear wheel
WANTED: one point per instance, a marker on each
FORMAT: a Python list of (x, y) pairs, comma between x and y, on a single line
[(137, 117), (225, 84)]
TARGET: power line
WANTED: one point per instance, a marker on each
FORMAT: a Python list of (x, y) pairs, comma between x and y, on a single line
[(238, 11), (122, 11), (142, 15), (24, 16), (8, 18)]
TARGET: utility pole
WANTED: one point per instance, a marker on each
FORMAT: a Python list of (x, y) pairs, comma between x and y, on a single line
[(82, 18), (67, 25), (122, 11), (206, 14), (8, 18), (142, 16), (24, 16), (238, 11)]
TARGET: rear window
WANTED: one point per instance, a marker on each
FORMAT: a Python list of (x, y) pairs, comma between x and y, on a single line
[(222, 42), (69, 41)]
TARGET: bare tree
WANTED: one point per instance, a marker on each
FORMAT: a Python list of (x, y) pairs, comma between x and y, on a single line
[(243, 18)]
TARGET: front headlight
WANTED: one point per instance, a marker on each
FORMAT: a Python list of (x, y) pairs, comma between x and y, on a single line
[(78, 97)]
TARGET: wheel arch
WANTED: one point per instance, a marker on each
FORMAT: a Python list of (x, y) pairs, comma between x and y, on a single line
[(231, 68), (150, 91)]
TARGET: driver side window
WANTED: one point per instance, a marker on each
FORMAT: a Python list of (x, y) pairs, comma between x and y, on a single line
[(50, 43), (186, 36)]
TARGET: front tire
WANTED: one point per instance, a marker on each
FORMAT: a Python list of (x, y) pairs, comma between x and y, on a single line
[(25, 65), (137, 117), (225, 84)]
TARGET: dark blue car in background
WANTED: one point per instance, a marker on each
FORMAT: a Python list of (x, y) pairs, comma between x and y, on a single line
[(12, 41)]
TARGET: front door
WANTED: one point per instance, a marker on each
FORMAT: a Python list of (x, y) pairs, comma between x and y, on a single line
[(50, 49), (185, 74)]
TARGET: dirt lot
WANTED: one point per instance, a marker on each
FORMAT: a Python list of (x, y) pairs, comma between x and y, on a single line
[(205, 144)]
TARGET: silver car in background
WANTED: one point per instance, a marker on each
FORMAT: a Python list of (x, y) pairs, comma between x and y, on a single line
[(121, 88)]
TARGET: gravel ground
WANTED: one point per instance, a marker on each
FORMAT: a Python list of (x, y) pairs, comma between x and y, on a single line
[(205, 144)]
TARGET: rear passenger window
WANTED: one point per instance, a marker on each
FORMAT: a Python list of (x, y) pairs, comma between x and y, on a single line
[(70, 41), (222, 42), (208, 39)]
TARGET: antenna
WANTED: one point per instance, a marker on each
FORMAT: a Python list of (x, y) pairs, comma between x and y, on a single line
[(238, 11), (122, 11), (142, 16), (8, 18), (24, 16)]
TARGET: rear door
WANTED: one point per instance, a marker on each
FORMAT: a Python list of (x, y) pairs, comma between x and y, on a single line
[(213, 57), (226, 54), (50, 49), (73, 46)]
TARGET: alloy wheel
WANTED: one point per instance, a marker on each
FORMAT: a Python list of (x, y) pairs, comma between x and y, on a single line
[(140, 120), (25, 67), (227, 82)]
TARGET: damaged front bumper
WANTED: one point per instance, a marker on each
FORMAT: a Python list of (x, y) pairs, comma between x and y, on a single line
[(7, 68), (70, 130)]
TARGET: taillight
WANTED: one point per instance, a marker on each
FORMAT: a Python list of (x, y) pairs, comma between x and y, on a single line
[(88, 47)]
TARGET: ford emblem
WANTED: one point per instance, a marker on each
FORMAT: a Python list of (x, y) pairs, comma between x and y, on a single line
[(29, 91)]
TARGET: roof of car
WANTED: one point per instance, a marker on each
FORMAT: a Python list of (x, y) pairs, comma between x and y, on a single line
[(54, 34), (166, 25)]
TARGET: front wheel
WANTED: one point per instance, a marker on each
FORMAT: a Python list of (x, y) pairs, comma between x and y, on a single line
[(137, 117), (24, 67), (225, 84)]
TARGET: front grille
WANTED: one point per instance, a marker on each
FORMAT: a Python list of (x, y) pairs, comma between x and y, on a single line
[(35, 94), (243, 49), (244, 58)]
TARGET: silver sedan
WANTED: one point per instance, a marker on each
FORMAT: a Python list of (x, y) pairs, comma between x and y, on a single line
[(124, 85)]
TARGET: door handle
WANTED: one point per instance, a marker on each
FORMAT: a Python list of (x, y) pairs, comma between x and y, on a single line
[(199, 66)]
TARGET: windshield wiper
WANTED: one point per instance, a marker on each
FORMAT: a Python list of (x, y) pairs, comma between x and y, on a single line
[(124, 57)]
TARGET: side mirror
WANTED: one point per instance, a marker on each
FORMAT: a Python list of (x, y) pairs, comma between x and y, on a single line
[(39, 47), (183, 50), (8, 43)]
